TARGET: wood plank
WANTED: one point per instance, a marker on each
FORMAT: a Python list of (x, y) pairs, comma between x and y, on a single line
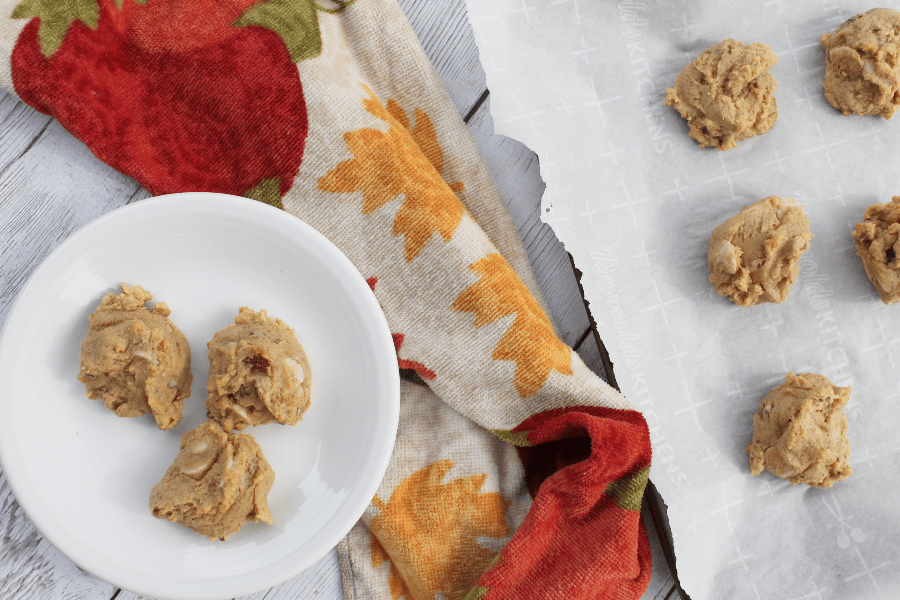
[(443, 29), (53, 189), (662, 584), (20, 126), (657, 521), (30, 567), (50, 186), (322, 581)]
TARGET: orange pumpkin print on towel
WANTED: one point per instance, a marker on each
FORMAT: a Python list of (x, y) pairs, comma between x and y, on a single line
[(429, 530), (395, 580), (530, 340), (398, 161)]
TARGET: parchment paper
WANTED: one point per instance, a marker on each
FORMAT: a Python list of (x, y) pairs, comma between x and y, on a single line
[(634, 199)]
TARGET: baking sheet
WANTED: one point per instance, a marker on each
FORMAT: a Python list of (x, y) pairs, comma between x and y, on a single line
[(634, 199)]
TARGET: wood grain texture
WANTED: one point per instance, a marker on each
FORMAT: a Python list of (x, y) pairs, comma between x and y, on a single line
[(321, 581), (20, 126), (443, 29), (661, 582), (31, 568), (52, 188)]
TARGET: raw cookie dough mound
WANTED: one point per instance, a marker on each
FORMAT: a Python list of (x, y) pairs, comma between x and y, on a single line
[(726, 94), (135, 360), (753, 256), (800, 432), (218, 482), (878, 247), (862, 64), (258, 373)]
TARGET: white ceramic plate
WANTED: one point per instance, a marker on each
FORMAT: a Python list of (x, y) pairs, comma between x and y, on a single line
[(84, 475)]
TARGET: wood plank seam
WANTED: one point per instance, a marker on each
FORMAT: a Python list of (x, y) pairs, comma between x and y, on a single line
[(577, 345), (481, 100), (31, 145)]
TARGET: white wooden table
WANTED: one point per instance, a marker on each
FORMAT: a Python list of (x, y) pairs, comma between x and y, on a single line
[(51, 185)]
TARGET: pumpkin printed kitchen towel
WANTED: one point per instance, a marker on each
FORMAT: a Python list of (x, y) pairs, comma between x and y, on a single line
[(517, 473)]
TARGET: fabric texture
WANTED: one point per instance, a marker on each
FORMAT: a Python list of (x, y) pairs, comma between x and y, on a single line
[(517, 473)]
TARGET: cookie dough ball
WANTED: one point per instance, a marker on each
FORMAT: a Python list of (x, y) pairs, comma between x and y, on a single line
[(135, 360), (862, 64), (753, 256), (800, 432), (258, 373), (726, 94), (218, 482), (878, 247)]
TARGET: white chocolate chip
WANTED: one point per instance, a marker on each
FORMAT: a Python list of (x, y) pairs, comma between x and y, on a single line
[(197, 447), (197, 463), (196, 468), (784, 204), (239, 410), (146, 356), (728, 255), (297, 368)]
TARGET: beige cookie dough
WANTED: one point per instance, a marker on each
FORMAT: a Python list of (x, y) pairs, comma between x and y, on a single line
[(878, 246), (862, 64), (726, 94), (753, 256), (218, 482), (258, 373), (135, 360), (800, 432)]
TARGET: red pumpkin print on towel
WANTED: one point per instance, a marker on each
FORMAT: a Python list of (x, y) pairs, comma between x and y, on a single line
[(182, 95), (420, 369)]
